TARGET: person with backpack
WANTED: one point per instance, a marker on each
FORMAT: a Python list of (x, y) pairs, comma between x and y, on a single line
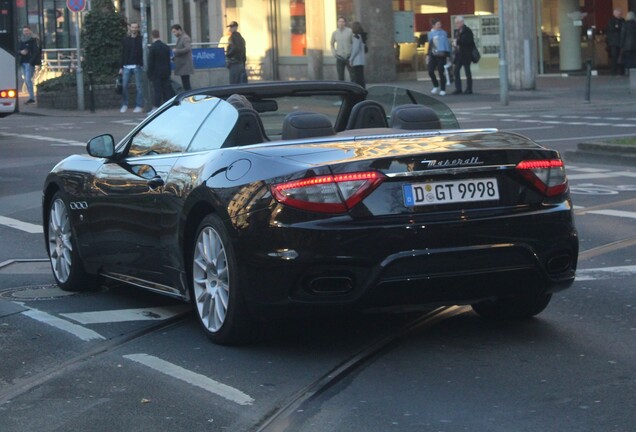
[(30, 57), (357, 60)]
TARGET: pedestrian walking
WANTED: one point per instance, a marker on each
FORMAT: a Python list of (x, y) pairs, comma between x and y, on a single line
[(183, 64), (357, 60), (613, 39), (628, 42), (235, 55), (438, 53), (159, 70), (341, 44), (464, 44), (132, 63), (30, 57)]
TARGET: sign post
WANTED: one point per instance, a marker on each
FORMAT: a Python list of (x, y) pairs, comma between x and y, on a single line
[(77, 6)]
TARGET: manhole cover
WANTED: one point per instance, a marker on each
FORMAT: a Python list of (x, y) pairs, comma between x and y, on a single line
[(36, 292)]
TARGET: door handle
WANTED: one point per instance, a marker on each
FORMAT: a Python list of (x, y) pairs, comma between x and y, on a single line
[(155, 182)]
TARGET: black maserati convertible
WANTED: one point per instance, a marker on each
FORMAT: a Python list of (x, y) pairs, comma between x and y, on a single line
[(268, 196)]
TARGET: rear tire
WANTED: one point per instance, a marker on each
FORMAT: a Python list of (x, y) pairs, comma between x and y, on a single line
[(66, 263), (217, 286), (510, 308)]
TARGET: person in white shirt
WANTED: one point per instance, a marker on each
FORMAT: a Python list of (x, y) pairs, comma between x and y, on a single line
[(341, 42)]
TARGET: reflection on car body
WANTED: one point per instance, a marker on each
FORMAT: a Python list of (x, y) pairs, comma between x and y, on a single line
[(309, 194)]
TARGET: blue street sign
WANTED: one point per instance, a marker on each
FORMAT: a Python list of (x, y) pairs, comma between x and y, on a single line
[(207, 58)]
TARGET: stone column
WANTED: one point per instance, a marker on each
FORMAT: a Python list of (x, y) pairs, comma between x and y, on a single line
[(376, 17), (521, 44), (570, 40), (315, 19), (215, 17)]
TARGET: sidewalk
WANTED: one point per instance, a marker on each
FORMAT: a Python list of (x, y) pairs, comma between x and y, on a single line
[(551, 92)]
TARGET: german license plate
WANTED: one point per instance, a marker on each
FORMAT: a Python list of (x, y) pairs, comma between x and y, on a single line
[(448, 192)]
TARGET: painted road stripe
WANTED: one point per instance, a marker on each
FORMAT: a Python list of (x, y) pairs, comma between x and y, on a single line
[(111, 316), (192, 378), (605, 273), (22, 226), (44, 138), (617, 213), (584, 138), (587, 176), (76, 330)]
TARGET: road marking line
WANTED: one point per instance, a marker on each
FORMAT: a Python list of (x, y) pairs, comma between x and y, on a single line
[(592, 176), (22, 226), (587, 170), (195, 379), (529, 128), (617, 213), (604, 273), (76, 330), (112, 316), (585, 138), (43, 138)]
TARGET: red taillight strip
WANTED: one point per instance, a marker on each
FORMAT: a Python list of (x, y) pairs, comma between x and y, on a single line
[(304, 183), (540, 164), (526, 168), (372, 178)]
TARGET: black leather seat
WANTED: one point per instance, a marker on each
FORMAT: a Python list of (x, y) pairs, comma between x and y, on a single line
[(414, 117), (367, 114), (247, 130), (302, 124)]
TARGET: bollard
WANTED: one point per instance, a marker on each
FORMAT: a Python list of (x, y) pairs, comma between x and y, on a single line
[(91, 93), (588, 81)]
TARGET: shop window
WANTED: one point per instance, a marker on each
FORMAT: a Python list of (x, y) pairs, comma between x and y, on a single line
[(292, 38)]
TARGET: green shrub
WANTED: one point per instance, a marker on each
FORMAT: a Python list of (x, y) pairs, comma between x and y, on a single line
[(102, 34)]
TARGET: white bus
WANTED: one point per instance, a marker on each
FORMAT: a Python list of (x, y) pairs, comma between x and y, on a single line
[(8, 60)]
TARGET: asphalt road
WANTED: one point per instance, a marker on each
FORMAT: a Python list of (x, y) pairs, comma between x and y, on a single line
[(117, 359)]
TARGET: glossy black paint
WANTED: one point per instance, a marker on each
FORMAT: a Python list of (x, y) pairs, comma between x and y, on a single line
[(143, 211)]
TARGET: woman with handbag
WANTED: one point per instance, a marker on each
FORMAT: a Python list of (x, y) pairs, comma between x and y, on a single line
[(438, 52)]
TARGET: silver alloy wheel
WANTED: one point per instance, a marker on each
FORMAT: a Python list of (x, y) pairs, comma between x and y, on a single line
[(211, 279), (60, 246)]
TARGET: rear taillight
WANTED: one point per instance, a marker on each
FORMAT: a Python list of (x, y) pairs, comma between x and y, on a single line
[(8, 93), (548, 175), (329, 193)]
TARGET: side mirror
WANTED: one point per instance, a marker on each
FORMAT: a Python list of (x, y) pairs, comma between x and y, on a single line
[(102, 146)]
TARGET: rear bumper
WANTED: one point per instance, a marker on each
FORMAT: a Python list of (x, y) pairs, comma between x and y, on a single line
[(347, 262)]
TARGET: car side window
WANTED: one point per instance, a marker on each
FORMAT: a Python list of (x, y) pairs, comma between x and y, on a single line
[(172, 130), (215, 128)]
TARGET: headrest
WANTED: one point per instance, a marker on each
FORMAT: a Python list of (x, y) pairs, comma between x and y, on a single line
[(301, 124), (414, 117), (238, 101), (367, 114)]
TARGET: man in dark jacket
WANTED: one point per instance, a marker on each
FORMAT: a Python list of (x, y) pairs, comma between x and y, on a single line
[(613, 39), (464, 43), (29, 58), (235, 56), (132, 62), (628, 42), (159, 70)]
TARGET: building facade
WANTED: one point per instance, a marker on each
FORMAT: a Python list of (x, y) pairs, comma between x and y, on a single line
[(290, 39)]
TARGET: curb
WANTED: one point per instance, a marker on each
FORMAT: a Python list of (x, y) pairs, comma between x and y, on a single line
[(598, 152)]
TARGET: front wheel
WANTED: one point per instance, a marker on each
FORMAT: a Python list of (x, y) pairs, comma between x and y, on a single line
[(509, 308), (66, 263), (217, 287)]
